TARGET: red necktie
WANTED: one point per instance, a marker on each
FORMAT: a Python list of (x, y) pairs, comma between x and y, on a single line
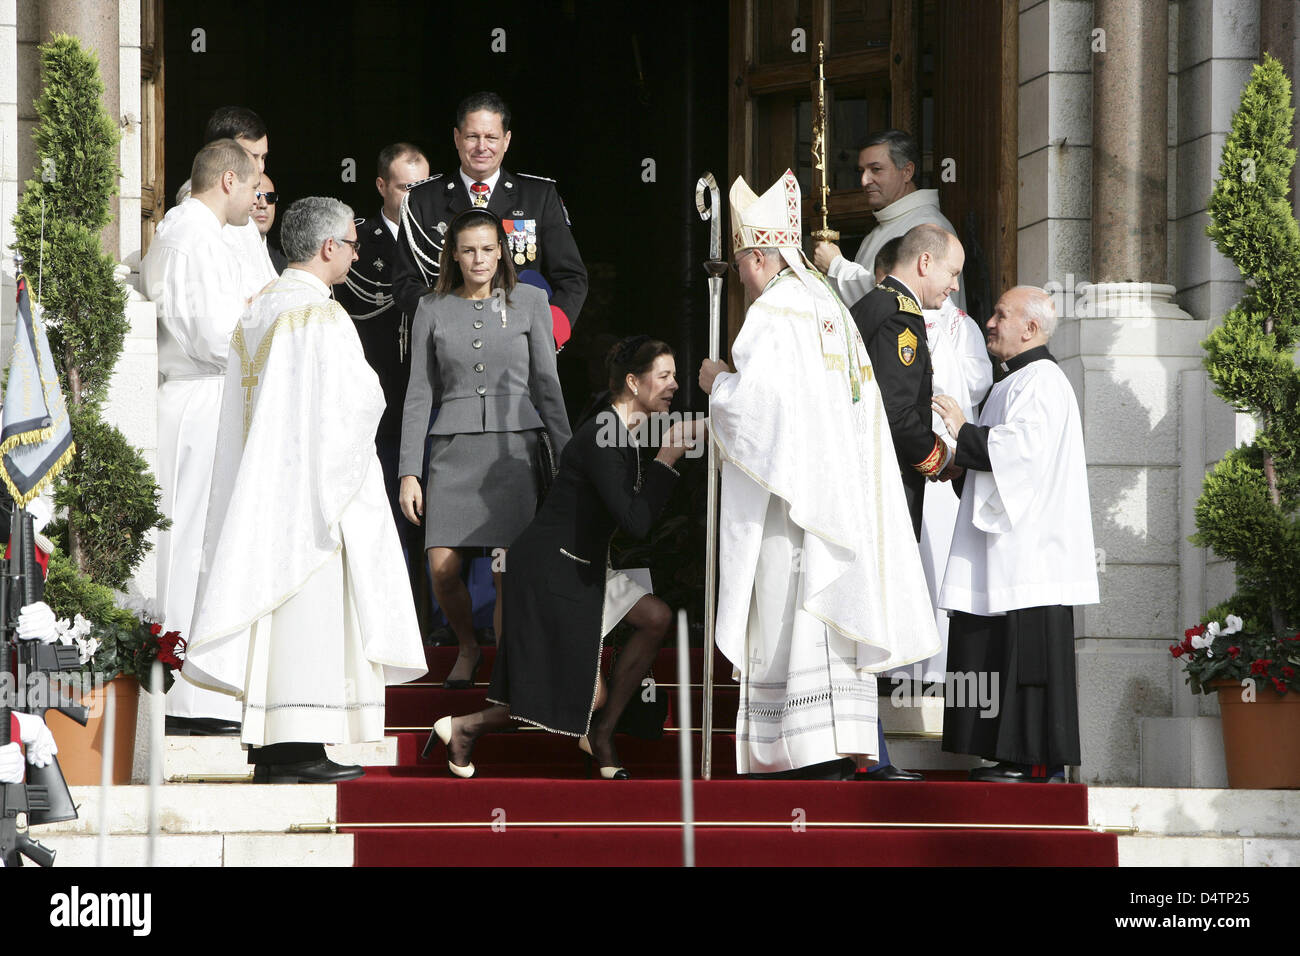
[(480, 191)]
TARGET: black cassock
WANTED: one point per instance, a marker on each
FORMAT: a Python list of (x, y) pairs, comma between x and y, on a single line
[(1031, 652)]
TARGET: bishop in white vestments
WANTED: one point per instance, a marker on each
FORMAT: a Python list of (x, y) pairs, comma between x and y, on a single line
[(194, 276), (304, 612), (820, 585), (1021, 558)]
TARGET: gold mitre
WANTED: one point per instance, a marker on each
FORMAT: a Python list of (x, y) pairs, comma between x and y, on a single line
[(772, 220)]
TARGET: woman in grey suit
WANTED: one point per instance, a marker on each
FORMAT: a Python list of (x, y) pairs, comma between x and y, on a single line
[(483, 355)]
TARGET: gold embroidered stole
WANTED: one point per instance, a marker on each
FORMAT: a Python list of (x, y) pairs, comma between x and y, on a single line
[(250, 368)]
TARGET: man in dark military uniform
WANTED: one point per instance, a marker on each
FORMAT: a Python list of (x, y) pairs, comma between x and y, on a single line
[(889, 317), (383, 327), (535, 220)]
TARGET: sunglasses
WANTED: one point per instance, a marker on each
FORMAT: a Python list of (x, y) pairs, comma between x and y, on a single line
[(271, 198)]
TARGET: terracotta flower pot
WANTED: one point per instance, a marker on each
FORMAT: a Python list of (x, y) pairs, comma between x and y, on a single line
[(81, 749), (1261, 738)]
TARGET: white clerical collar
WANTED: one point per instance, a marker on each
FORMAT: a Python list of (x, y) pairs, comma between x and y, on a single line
[(392, 226), (470, 181), (913, 200), (302, 275)]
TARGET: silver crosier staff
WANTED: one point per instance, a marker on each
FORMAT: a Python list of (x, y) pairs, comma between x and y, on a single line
[(716, 267)]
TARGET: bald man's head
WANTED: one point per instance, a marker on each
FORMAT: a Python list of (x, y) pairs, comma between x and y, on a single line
[(1024, 318)]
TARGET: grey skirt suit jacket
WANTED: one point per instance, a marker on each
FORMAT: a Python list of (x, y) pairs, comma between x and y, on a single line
[(488, 366)]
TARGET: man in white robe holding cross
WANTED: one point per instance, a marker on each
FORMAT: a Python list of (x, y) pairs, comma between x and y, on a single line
[(304, 611)]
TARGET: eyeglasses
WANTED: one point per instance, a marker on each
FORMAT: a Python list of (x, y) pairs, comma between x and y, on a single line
[(271, 197), (735, 263), (354, 243)]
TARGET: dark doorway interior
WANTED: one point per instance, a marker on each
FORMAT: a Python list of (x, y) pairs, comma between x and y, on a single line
[(597, 89)]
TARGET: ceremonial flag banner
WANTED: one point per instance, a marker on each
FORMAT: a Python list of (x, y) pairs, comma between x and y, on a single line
[(36, 438)]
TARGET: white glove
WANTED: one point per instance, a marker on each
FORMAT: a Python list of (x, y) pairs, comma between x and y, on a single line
[(37, 738), (11, 764), (41, 511), (36, 623)]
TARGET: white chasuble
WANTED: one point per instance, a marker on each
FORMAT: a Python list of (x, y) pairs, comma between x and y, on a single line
[(303, 608), (963, 370), (194, 278), (1024, 529), (820, 580)]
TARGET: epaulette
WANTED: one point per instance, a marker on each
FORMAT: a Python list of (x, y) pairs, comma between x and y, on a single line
[(421, 182), (527, 176), (907, 304)]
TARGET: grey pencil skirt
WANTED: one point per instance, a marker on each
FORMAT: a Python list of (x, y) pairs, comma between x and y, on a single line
[(481, 490)]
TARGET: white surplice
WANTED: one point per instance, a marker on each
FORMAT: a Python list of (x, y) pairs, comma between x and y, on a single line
[(854, 279), (820, 580), (963, 370), (304, 611), (193, 276), (1024, 529)]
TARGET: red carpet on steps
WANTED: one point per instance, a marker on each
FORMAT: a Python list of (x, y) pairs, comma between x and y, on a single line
[(529, 779)]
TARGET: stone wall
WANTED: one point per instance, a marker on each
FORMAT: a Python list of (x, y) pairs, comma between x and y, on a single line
[(1151, 424)]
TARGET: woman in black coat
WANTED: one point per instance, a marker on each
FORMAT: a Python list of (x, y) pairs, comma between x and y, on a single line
[(562, 597)]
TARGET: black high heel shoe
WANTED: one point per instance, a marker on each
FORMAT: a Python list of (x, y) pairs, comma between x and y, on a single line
[(464, 684), (606, 773)]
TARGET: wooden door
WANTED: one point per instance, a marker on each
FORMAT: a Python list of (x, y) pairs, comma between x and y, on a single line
[(945, 72)]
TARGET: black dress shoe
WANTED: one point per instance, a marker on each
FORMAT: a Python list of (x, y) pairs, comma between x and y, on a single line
[(306, 771), (1018, 773), (890, 773), (201, 727)]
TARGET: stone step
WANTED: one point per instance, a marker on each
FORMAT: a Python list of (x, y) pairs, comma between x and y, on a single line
[(911, 714), (1197, 812), (1174, 851), (209, 849), (193, 808), (926, 753), (199, 756)]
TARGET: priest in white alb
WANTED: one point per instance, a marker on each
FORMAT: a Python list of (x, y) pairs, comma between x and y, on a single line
[(1022, 557), (304, 612), (195, 278), (820, 581)]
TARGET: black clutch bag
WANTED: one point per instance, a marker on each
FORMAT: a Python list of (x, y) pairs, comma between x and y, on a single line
[(545, 465)]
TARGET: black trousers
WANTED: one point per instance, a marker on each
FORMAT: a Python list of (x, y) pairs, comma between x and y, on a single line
[(1010, 693)]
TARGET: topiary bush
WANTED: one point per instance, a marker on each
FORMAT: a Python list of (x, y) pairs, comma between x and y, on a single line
[(1247, 511), (109, 495)]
